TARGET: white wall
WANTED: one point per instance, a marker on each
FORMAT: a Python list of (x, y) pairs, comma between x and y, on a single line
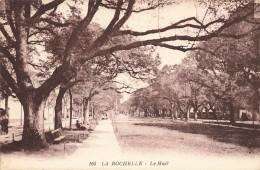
[(14, 108)]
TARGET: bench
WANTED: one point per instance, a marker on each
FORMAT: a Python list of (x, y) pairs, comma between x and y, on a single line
[(59, 139), (55, 136)]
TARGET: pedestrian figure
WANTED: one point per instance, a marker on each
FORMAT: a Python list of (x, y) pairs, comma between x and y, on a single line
[(80, 126)]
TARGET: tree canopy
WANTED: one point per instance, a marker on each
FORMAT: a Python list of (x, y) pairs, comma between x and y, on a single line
[(40, 35)]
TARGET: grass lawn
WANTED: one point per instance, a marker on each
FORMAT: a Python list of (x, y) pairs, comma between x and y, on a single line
[(186, 138)]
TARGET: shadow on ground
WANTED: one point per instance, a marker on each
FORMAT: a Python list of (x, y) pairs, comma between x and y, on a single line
[(68, 145), (10, 147), (242, 137), (253, 126), (57, 150)]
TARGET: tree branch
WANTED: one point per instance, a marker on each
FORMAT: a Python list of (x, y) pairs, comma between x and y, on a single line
[(112, 5), (35, 42), (157, 42), (91, 4), (43, 29), (78, 29), (117, 90), (45, 8), (7, 36), (59, 76), (126, 16), (55, 23), (9, 79), (176, 25), (10, 19), (183, 49), (110, 26), (130, 70), (71, 83), (8, 55)]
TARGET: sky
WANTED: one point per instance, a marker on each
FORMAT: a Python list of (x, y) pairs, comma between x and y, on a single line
[(157, 18)]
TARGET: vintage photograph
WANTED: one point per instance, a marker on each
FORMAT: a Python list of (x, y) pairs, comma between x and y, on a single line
[(129, 84)]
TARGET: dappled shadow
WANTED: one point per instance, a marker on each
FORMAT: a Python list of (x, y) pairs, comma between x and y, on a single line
[(242, 137), (50, 151), (254, 126), (68, 145), (11, 147)]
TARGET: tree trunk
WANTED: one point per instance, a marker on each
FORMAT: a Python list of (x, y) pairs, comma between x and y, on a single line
[(145, 113), (33, 130), (188, 115), (86, 111), (70, 94), (232, 113), (93, 112), (171, 114), (163, 112), (180, 110), (256, 102), (157, 112), (6, 106), (196, 115), (172, 111), (58, 108)]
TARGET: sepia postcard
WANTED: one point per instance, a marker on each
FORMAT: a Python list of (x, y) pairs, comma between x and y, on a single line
[(129, 84)]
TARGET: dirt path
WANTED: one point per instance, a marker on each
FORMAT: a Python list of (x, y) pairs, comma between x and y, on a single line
[(102, 143)]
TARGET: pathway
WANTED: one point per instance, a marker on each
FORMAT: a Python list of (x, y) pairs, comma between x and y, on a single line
[(102, 143)]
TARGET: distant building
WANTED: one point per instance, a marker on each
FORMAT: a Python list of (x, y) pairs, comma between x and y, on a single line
[(245, 115)]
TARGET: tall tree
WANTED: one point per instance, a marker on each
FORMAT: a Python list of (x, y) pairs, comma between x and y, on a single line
[(27, 24), (235, 63)]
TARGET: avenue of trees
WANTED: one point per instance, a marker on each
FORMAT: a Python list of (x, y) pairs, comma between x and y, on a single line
[(43, 47), (221, 76)]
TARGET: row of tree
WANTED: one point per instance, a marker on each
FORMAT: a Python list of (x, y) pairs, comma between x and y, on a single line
[(221, 75), (46, 45)]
